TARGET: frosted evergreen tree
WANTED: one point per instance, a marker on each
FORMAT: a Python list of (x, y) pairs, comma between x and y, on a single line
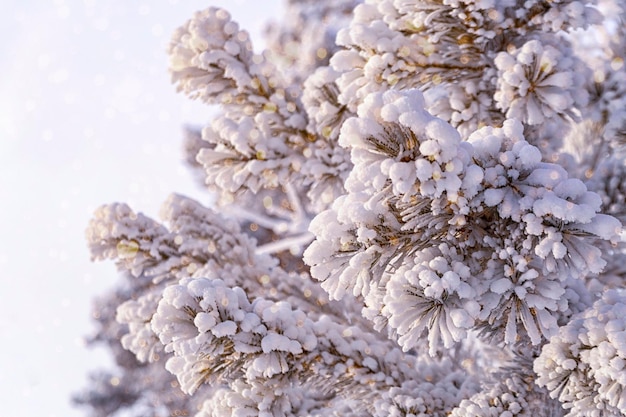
[(419, 212)]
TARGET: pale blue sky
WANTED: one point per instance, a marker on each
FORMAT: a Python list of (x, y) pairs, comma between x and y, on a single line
[(87, 116)]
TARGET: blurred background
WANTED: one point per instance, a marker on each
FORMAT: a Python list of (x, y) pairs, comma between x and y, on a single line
[(87, 116)]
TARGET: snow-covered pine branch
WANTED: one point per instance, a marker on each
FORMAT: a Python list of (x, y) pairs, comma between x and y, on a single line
[(419, 212)]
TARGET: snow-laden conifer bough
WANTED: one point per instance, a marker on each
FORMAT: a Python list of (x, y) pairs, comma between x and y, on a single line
[(419, 213)]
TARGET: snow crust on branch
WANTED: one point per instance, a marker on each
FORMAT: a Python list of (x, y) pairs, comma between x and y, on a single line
[(583, 365), (211, 56), (450, 49), (197, 237), (254, 347), (538, 82), (454, 235)]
